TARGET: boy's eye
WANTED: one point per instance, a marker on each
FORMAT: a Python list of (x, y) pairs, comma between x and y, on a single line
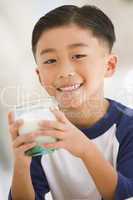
[(50, 61), (77, 56)]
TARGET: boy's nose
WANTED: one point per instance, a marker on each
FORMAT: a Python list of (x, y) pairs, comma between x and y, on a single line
[(66, 70), (64, 75)]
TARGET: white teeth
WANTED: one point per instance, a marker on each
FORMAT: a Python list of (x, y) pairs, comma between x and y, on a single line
[(70, 88)]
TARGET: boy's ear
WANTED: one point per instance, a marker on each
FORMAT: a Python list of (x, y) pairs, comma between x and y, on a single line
[(110, 65), (38, 74)]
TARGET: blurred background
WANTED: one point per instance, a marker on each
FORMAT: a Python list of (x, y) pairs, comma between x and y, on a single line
[(17, 75)]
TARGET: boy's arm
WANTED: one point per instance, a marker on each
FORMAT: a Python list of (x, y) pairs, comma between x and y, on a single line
[(37, 181), (21, 182), (28, 178), (124, 188), (102, 172), (112, 184)]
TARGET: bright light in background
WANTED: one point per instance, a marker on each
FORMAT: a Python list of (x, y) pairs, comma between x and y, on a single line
[(120, 86), (128, 87), (129, 79)]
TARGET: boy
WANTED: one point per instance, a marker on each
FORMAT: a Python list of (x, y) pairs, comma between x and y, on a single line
[(94, 157)]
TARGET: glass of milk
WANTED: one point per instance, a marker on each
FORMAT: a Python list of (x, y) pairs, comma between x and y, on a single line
[(32, 113)]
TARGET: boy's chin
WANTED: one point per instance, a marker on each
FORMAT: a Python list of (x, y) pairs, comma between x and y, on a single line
[(70, 104)]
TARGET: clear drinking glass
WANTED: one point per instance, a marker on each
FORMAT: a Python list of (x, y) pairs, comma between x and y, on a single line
[(32, 113)]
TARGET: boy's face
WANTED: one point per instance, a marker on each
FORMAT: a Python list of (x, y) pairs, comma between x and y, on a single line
[(71, 56)]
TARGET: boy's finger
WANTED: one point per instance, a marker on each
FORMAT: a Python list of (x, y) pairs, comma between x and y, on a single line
[(54, 133), (26, 147), (27, 138), (54, 145), (59, 115), (10, 118), (14, 128), (52, 125)]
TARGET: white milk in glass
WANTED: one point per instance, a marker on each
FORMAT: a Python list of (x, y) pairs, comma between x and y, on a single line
[(32, 113)]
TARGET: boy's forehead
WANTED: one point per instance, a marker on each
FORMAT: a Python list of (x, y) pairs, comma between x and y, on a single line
[(66, 37), (72, 32)]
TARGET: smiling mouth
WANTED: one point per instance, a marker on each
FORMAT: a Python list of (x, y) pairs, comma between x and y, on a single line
[(70, 88)]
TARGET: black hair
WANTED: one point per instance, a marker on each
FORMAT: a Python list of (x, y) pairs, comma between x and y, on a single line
[(87, 17)]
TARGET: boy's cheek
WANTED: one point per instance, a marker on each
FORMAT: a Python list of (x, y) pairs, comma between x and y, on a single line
[(47, 86), (50, 89)]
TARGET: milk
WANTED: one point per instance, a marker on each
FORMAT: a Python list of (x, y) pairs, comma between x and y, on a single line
[(31, 124), (31, 115)]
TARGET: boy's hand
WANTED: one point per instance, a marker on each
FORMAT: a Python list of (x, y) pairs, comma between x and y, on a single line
[(70, 137), (20, 143)]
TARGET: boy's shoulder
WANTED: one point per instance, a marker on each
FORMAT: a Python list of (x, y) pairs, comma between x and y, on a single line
[(124, 122)]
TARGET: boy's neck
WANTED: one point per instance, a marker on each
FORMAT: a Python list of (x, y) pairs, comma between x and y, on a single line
[(88, 114)]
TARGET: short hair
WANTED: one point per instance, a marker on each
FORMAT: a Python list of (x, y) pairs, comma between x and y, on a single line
[(87, 17)]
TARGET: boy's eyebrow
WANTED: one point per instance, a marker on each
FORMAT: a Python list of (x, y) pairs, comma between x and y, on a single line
[(77, 45), (50, 50)]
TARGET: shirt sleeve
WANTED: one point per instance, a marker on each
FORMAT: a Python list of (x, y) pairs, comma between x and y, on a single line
[(124, 188), (39, 180), (9, 196)]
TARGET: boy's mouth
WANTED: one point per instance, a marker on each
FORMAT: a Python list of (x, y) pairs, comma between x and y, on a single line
[(70, 88)]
